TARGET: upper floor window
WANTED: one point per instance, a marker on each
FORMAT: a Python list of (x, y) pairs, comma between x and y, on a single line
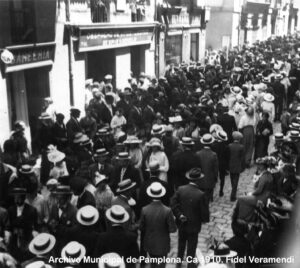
[(23, 26)]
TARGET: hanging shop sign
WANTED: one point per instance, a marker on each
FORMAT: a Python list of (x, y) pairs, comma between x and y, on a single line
[(99, 39), (30, 56)]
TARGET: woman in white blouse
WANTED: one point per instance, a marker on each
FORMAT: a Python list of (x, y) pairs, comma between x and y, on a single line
[(268, 106), (156, 153)]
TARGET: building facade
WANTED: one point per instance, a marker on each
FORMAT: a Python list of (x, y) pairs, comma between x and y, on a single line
[(181, 35), (28, 32)]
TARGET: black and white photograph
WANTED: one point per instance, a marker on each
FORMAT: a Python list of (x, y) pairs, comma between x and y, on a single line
[(149, 133)]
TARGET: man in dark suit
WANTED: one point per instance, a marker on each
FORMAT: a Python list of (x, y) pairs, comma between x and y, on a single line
[(73, 125), (60, 132), (227, 122), (124, 171), (190, 207), (280, 96), (85, 197), (209, 165), (157, 222), (101, 167), (106, 111), (236, 161), (22, 224), (182, 161), (117, 239)]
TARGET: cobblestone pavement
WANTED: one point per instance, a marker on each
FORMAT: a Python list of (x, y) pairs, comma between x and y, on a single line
[(221, 209)]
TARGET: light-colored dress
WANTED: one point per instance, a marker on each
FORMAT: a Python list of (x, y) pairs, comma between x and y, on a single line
[(163, 161)]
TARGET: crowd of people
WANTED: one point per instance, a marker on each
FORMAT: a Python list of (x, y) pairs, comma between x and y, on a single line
[(144, 162)]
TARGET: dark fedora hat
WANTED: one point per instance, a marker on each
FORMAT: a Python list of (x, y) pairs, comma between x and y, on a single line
[(125, 185), (194, 174)]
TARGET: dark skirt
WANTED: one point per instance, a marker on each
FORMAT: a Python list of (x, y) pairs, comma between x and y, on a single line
[(248, 142)]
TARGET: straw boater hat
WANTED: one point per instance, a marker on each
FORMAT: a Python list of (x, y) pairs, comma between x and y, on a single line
[(63, 190), (18, 191), (294, 134), (125, 185), (56, 156), (52, 182), (87, 215), (37, 264), (215, 128), (26, 169), (223, 251), (187, 141), (132, 140), (157, 130), (42, 244), (236, 90), (108, 77), (44, 116), (156, 190), (101, 153), (194, 174), (123, 156), (102, 132), (111, 260), (73, 250), (207, 139), (80, 138), (278, 136), (117, 214), (269, 97), (294, 126), (221, 135)]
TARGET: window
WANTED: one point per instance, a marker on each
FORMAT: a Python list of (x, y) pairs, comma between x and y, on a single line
[(173, 51), (195, 46), (22, 14)]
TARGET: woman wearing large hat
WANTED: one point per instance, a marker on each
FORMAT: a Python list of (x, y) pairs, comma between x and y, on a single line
[(156, 153), (268, 106), (59, 165), (135, 151)]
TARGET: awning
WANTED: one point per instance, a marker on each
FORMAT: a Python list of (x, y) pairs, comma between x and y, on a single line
[(106, 36)]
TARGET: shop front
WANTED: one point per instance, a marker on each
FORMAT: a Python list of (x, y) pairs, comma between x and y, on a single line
[(27, 83), (117, 50)]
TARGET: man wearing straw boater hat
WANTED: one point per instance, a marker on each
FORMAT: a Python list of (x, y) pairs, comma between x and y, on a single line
[(124, 171), (209, 164), (23, 222), (124, 198), (117, 239), (157, 222), (182, 161), (41, 247), (190, 206), (73, 253), (101, 166), (63, 213), (86, 230)]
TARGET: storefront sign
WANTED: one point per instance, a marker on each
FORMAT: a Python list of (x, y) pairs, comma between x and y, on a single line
[(30, 56), (98, 39)]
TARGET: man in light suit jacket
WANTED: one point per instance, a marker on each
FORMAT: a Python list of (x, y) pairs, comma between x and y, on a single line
[(157, 222), (209, 165), (190, 206)]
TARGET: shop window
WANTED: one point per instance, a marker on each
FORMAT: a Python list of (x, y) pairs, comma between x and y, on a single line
[(195, 47), (173, 53), (22, 14)]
